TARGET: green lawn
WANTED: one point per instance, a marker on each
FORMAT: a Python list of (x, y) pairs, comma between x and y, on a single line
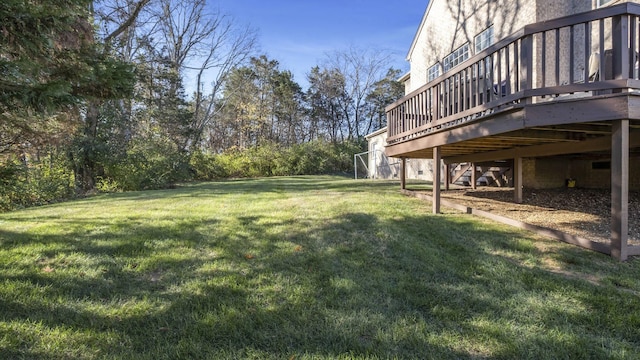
[(300, 268)]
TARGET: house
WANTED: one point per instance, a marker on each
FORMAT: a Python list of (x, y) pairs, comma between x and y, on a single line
[(380, 166), (548, 88)]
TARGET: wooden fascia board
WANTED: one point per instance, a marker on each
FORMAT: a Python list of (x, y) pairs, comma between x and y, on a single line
[(498, 125), (573, 112), (634, 107)]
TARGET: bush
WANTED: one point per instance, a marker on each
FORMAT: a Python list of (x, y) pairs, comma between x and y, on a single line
[(146, 165), (31, 183), (311, 158), (207, 167)]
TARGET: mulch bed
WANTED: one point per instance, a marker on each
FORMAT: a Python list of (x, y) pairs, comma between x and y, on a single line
[(580, 212)]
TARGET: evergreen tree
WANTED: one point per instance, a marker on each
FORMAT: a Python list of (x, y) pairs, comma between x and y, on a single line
[(49, 64), (384, 92)]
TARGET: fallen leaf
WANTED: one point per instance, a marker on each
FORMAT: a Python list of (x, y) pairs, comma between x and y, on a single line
[(248, 256), (155, 276), (48, 269), (298, 248)]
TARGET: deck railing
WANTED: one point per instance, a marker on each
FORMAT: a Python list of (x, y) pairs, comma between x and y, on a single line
[(587, 54)]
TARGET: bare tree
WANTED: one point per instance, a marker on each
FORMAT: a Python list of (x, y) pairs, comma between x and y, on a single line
[(185, 29), (208, 44), (361, 69), (228, 48), (384, 92)]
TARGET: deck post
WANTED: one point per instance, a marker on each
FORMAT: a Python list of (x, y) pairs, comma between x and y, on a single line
[(619, 189), (403, 173), (517, 180), (436, 179), (474, 179), (620, 40), (447, 176), (526, 64)]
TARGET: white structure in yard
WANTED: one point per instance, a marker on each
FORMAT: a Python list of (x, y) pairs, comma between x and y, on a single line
[(382, 167)]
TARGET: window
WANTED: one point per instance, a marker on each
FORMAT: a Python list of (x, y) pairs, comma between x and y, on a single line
[(433, 72), (601, 165), (603, 2), (484, 39), (458, 56)]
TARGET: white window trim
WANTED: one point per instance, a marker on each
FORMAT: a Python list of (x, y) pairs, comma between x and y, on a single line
[(485, 39), (435, 68), (456, 57), (601, 3)]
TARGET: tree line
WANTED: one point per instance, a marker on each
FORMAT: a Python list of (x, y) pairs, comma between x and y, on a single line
[(136, 94)]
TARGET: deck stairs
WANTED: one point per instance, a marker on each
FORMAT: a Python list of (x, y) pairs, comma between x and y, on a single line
[(497, 174)]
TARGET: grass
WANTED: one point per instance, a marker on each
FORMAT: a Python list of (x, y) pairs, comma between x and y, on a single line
[(300, 268)]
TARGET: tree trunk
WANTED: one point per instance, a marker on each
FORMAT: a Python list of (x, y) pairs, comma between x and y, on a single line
[(86, 167)]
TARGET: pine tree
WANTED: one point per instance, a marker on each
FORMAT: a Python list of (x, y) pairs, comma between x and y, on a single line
[(50, 63)]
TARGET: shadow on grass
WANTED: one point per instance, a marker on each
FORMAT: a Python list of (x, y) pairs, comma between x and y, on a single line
[(358, 285)]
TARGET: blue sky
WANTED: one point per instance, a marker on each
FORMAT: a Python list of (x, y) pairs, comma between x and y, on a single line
[(299, 33)]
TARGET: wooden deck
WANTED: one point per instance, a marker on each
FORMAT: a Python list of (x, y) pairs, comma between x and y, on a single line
[(564, 86)]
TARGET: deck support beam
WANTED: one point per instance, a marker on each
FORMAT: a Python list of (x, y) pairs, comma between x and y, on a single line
[(403, 173), (619, 189), (437, 157), (447, 177), (517, 180), (474, 178)]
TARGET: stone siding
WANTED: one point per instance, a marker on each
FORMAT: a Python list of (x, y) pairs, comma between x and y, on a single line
[(552, 172), (545, 173)]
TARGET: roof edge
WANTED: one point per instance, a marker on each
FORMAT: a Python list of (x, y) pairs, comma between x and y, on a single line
[(376, 133), (422, 24)]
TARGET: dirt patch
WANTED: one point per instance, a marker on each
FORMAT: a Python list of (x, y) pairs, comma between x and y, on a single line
[(581, 212)]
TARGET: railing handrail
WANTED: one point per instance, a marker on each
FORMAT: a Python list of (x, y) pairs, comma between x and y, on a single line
[(587, 16)]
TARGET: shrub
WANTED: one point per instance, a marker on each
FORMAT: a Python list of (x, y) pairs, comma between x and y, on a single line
[(311, 158), (207, 167), (34, 182), (147, 165)]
